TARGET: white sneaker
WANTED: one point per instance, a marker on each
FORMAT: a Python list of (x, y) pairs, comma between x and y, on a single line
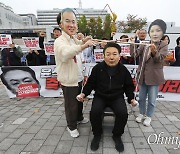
[(84, 121), (73, 133), (147, 121), (139, 118)]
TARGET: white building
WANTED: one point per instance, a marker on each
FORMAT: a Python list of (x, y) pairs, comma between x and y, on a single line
[(29, 19), (8, 19), (48, 17)]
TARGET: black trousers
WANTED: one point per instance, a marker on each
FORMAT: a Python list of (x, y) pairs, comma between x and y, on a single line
[(120, 110), (73, 108)]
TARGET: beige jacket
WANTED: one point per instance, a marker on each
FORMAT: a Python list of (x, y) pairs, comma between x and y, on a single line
[(150, 68), (65, 50)]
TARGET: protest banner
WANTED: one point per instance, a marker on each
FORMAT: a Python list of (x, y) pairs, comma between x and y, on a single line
[(49, 48), (31, 81), (98, 55), (169, 91), (5, 40), (125, 49), (171, 55), (31, 42), (44, 83)]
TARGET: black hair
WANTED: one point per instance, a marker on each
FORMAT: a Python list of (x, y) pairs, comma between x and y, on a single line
[(163, 38), (114, 45), (123, 36), (160, 23), (56, 28), (58, 19), (177, 41), (7, 69)]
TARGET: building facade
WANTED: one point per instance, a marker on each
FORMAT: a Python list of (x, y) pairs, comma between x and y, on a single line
[(8, 19), (48, 17), (29, 19)]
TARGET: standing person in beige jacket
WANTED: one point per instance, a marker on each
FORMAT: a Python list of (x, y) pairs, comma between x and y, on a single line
[(150, 71), (66, 48)]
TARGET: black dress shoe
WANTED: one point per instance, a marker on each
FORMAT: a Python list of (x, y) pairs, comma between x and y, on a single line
[(95, 143), (118, 143)]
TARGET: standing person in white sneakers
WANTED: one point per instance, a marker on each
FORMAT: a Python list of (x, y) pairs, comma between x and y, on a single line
[(150, 71), (66, 48)]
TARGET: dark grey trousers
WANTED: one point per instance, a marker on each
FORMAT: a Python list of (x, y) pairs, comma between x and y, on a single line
[(73, 108)]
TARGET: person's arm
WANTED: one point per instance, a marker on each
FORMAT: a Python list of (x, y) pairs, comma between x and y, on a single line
[(66, 51), (129, 86), (91, 82), (158, 55), (41, 39), (17, 50)]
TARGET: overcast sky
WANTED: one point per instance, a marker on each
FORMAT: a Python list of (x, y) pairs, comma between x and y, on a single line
[(168, 10)]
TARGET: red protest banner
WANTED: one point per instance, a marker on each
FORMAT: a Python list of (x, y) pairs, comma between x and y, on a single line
[(31, 42), (5, 40), (49, 48), (98, 55), (125, 50), (171, 55), (28, 90)]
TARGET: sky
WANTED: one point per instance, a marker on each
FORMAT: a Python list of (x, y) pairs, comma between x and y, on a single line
[(166, 10)]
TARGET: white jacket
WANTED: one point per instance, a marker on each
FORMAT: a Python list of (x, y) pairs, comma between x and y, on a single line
[(65, 48)]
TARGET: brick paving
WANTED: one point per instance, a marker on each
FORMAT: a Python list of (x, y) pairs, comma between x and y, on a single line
[(38, 126)]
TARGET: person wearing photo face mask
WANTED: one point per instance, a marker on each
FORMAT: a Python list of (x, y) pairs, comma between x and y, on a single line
[(150, 71), (66, 48)]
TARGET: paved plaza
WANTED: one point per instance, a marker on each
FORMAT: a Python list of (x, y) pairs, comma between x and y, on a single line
[(38, 126)]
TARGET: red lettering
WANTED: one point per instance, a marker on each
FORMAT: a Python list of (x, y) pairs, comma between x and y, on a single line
[(52, 83), (172, 86)]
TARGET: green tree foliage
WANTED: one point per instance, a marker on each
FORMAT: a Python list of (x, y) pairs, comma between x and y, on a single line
[(132, 24), (82, 25), (99, 28), (92, 27), (107, 27)]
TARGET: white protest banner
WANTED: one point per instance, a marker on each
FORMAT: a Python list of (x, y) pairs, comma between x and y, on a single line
[(98, 55), (42, 81), (49, 48), (31, 42), (171, 55), (125, 49), (32, 81), (5, 40), (169, 91)]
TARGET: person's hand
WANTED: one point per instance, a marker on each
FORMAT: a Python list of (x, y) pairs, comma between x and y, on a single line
[(153, 49), (137, 32), (36, 52), (174, 60), (12, 46), (125, 57), (80, 97), (30, 51), (113, 33), (134, 102), (42, 34), (89, 43), (132, 39), (87, 38)]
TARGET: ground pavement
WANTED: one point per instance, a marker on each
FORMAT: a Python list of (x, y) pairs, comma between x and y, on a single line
[(38, 126)]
